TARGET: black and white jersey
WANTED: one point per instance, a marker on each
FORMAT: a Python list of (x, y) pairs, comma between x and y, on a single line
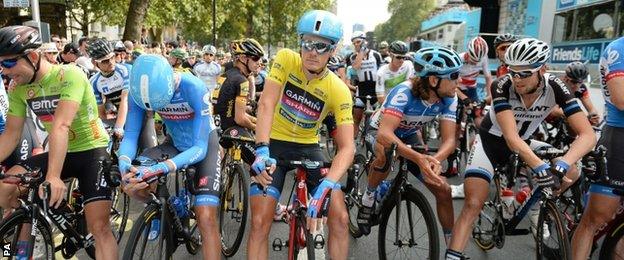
[(504, 97)]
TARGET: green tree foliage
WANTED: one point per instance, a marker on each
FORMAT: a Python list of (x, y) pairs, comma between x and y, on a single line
[(86, 12), (406, 17)]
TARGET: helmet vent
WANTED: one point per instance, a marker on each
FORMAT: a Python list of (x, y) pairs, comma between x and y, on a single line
[(317, 26)]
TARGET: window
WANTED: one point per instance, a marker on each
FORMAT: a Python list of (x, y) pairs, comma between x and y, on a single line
[(596, 22), (441, 33), (562, 28)]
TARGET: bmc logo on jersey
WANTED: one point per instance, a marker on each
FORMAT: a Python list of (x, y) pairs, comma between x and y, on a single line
[(399, 99)]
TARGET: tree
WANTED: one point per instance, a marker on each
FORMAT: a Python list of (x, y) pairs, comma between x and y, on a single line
[(87, 12), (406, 17), (134, 20)]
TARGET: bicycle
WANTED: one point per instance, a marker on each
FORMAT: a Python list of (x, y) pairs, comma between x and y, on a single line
[(299, 237), (491, 228), (400, 191), (234, 196), (68, 218), (172, 228), (363, 127), (467, 132)]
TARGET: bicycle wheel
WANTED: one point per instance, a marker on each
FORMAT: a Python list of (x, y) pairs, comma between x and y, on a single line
[(233, 216), (556, 246), (143, 243), (302, 239), (353, 196), (408, 229), (613, 245), (11, 227), (120, 208), (466, 147)]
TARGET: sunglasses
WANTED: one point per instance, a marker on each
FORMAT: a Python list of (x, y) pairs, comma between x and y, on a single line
[(398, 57), (356, 42), (523, 74), (452, 76), (253, 57), (320, 47), (106, 61), (10, 63)]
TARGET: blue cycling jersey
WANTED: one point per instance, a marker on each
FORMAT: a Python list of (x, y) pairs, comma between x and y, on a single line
[(412, 110), (612, 66), (188, 119), (110, 87)]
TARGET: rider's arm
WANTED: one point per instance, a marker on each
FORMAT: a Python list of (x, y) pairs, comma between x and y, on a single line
[(59, 134), (122, 111), (343, 113), (614, 85), (11, 135), (240, 110), (357, 62), (587, 103), (128, 146), (488, 79), (386, 136), (380, 86), (447, 129)]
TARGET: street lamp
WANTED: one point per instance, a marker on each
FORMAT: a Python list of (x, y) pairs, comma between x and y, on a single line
[(214, 23)]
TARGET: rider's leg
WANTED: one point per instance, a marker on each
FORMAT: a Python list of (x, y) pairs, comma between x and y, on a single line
[(262, 211), (600, 209), (444, 207), (209, 228), (476, 190), (98, 214), (357, 118), (337, 222)]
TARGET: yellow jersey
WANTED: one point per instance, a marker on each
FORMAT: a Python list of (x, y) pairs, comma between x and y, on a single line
[(304, 104)]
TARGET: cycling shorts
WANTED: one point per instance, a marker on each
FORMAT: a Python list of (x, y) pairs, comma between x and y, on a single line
[(282, 150), (208, 171), (84, 166), (489, 151), (612, 138), (364, 91)]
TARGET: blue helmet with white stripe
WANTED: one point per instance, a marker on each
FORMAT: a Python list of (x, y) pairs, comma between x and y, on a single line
[(436, 61), (321, 23), (151, 82)]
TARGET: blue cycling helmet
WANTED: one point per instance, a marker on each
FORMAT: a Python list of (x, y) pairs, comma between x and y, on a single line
[(436, 61), (151, 82), (321, 23)]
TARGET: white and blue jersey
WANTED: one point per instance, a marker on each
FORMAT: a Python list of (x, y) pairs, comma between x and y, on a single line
[(412, 110), (188, 120), (612, 66), (110, 87)]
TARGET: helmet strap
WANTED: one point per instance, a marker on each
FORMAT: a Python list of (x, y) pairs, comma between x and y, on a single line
[(437, 87), (35, 67)]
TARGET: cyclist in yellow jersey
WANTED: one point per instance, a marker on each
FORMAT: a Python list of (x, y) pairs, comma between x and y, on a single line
[(298, 94)]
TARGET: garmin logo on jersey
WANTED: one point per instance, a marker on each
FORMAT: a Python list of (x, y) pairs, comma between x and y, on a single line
[(301, 104), (177, 111)]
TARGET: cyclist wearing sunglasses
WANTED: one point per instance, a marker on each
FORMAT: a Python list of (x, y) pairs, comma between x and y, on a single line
[(521, 100), (61, 97), (207, 69), (501, 43), (234, 94), (298, 94), (575, 74), (408, 106), (475, 63), (397, 71)]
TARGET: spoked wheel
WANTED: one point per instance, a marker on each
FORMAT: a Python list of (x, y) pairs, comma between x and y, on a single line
[(353, 197), (486, 230), (120, 208), (17, 226), (146, 240), (300, 238), (552, 237), (233, 216)]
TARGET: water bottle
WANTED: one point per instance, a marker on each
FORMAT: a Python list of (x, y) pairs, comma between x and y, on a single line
[(179, 206), (523, 194), (507, 197), (382, 189)]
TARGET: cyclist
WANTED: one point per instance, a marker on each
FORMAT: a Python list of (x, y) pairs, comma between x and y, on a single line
[(602, 202), (231, 106), (501, 43), (261, 76), (575, 74), (183, 102), (365, 62), (509, 125), (475, 63), (397, 71), (207, 69), (121, 54), (63, 100), (298, 94), (383, 51), (408, 106), (50, 52), (110, 84), (176, 57)]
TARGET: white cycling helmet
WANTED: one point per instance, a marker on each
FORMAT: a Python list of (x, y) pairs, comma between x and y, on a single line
[(477, 49), (358, 35), (209, 49), (527, 52)]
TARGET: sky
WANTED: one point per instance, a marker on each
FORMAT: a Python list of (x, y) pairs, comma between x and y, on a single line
[(367, 12)]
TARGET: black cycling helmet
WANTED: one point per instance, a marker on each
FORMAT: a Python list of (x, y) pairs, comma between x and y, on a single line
[(18, 39), (100, 49), (398, 48), (247, 46), (504, 38), (576, 71), (335, 62)]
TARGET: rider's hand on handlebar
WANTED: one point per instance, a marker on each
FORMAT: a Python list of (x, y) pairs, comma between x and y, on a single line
[(118, 132), (57, 191), (546, 178), (261, 164), (430, 168), (133, 184), (319, 205)]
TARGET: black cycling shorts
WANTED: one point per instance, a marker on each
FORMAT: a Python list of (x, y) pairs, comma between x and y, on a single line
[(612, 138), (364, 91), (83, 166), (282, 150), (208, 177)]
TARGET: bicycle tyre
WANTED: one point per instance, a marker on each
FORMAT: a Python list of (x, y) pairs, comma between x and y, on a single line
[(144, 220), (550, 213), (301, 229), (467, 141), (119, 198), (239, 182), (610, 243), (20, 216), (413, 196), (353, 196)]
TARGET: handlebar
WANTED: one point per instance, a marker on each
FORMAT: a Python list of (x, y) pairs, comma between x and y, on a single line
[(306, 164), (392, 150), (33, 178), (238, 138)]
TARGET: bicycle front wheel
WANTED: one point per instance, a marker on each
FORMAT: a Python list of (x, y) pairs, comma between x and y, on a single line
[(300, 239), (146, 240), (552, 236), (613, 245), (120, 208), (233, 216), (408, 229), (17, 226), (354, 195)]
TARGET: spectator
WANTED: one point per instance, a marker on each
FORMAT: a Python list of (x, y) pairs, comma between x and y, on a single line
[(144, 37), (82, 46), (50, 52), (70, 53), (57, 41)]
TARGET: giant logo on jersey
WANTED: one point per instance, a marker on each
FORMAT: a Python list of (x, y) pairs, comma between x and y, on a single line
[(44, 107), (300, 107)]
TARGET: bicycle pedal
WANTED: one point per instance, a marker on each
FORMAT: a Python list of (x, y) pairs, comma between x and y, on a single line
[(319, 241), (518, 232), (278, 244)]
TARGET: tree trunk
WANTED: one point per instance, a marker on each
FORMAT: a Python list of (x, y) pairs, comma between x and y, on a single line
[(134, 19)]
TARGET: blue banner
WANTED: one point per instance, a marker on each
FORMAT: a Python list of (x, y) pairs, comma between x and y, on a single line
[(563, 4), (578, 52)]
